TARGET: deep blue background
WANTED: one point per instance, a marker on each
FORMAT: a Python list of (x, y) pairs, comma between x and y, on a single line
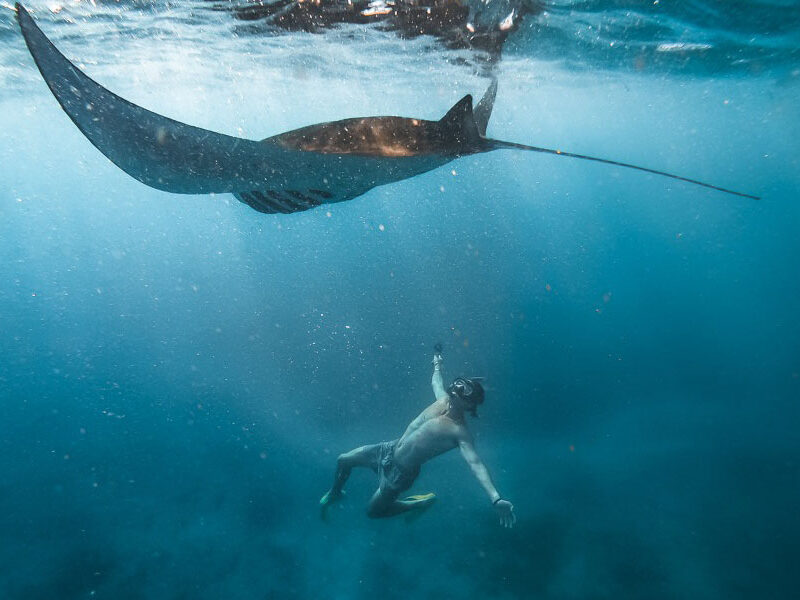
[(178, 374)]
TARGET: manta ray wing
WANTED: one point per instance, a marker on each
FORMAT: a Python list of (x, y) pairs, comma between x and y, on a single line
[(158, 151)]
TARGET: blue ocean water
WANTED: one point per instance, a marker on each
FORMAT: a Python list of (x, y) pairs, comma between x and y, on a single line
[(179, 373)]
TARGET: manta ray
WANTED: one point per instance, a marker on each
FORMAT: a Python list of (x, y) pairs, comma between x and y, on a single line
[(286, 173)]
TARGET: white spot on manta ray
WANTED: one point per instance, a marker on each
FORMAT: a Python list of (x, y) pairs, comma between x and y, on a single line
[(508, 22)]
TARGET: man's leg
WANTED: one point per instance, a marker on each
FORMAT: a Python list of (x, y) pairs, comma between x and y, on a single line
[(365, 456)]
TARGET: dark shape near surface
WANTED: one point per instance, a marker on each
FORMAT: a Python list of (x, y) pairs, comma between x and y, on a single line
[(289, 172), (470, 24)]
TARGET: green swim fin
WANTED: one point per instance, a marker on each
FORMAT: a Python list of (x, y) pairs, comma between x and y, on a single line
[(419, 497), (326, 501), (420, 503)]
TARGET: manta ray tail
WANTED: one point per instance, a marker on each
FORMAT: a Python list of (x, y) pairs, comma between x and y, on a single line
[(500, 145)]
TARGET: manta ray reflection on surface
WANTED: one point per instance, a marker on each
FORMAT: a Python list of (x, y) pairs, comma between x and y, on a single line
[(481, 25), (289, 172)]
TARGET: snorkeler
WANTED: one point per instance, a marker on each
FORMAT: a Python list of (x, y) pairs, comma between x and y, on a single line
[(439, 428)]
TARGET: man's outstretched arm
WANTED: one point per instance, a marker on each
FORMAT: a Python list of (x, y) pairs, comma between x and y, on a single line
[(504, 508), (436, 380)]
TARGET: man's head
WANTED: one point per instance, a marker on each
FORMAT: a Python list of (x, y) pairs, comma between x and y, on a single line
[(469, 392)]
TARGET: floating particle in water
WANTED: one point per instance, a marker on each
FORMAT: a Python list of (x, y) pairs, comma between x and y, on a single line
[(682, 47)]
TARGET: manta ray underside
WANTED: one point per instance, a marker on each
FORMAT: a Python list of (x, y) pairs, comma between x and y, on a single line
[(289, 172)]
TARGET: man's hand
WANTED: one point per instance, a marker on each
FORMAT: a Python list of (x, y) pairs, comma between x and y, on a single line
[(505, 510), (437, 356)]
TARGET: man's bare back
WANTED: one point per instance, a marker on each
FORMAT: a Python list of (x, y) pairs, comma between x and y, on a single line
[(437, 429)]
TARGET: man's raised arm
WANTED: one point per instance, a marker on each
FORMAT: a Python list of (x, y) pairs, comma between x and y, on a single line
[(436, 380), (504, 508)]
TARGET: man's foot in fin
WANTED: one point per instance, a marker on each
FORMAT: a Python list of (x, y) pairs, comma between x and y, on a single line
[(419, 504), (325, 502)]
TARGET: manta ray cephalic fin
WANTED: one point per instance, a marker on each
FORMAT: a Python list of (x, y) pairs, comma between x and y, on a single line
[(483, 111)]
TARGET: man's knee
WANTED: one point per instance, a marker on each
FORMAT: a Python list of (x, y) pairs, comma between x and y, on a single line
[(344, 461)]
